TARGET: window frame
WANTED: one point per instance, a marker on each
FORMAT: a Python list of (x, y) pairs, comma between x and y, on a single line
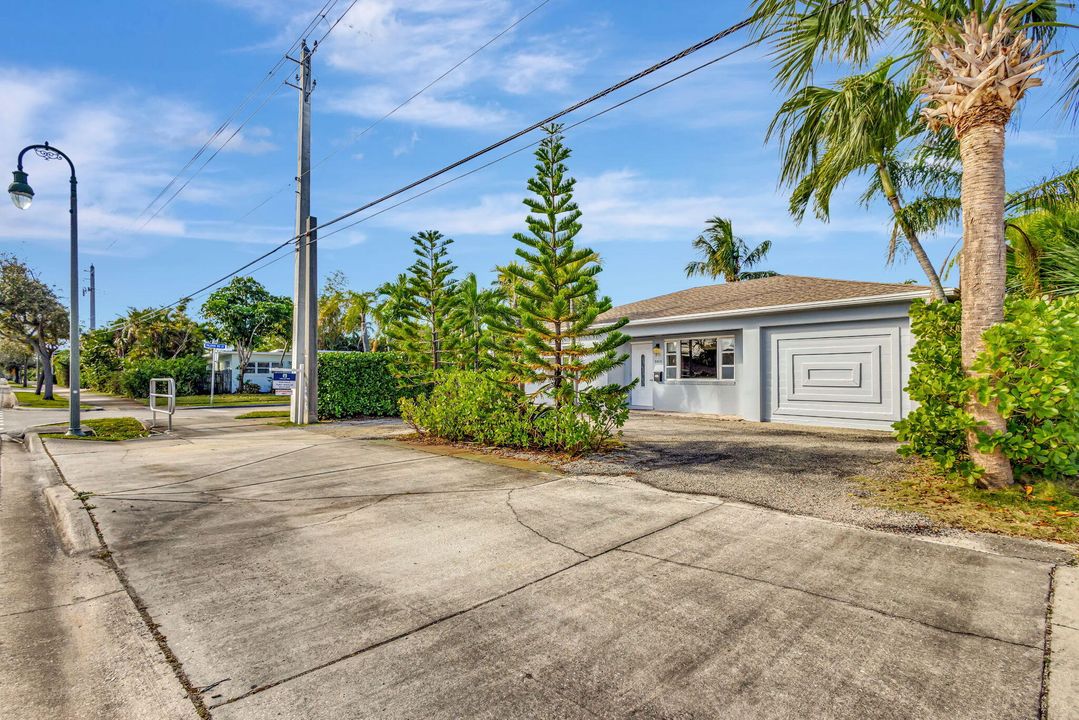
[(676, 342)]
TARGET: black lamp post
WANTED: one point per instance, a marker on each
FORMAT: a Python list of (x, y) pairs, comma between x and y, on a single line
[(22, 195)]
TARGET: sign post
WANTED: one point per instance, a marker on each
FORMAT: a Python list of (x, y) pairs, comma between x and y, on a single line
[(213, 348)]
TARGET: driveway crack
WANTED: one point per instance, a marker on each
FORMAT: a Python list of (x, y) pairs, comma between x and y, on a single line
[(522, 523), (456, 613)]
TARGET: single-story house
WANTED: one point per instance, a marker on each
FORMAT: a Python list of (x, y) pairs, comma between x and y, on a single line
[(259, 368), (783, 349)]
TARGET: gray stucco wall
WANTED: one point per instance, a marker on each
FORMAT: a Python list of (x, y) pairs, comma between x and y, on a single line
[(750, 395)]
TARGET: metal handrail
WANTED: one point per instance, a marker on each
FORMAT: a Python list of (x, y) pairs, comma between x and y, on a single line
[(170, 394)]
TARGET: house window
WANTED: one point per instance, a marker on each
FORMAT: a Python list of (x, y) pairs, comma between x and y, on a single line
[(262, 368), (670, 370), (704, 358)]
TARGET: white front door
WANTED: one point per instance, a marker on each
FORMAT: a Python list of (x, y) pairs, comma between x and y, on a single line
[(640, 357)]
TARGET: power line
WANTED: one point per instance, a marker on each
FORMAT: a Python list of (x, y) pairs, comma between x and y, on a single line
[(221, 128), (532, 144), (593, 98), (208, 160), (327, 6), (547, 120), (412, 97)]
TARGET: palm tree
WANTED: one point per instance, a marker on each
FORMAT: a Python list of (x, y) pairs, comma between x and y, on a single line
[(357, 310), (391, 310), (727, 255), (828, 134), (469, 321), (978, 58), (1043, 252)]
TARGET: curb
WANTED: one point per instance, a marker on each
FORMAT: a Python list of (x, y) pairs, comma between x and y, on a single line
[(69, 518), (1064, 647), (72, 523)]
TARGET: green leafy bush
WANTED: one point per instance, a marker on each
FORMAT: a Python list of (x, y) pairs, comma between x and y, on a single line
[(101, 367), (191, 374), (1035, 355), (1030, 366), (355, 383), (61, 366), (483, 407)]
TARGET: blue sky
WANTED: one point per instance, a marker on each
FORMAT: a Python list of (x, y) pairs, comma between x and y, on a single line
[(133, 91)]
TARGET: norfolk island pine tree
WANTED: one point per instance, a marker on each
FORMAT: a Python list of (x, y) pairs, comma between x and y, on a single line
[(559, 346)]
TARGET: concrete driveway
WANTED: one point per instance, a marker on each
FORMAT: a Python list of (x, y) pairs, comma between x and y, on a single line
[(335, 573)]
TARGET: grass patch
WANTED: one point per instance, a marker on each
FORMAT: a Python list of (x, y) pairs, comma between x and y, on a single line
[(27, 398), (1043, 511), (255, 414), (228, 399), (107, 430)]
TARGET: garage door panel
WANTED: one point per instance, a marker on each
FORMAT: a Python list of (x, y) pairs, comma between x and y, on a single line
[(820, 374), (834, 373)]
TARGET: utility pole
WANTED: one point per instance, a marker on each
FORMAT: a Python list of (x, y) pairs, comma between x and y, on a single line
[(305, 279), (92, 290)]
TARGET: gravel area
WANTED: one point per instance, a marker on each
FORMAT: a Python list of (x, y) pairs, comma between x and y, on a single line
[(803, 470)]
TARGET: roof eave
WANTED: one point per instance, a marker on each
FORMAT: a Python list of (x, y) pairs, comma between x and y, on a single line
[(772, 309)]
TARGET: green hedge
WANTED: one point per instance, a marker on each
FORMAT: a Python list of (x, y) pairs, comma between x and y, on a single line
[(192, 376), (1030, 367), (351, 384), (483, 407)]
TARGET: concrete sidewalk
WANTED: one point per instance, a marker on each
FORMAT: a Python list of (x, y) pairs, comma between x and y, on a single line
[(72, 642), (310, 574)]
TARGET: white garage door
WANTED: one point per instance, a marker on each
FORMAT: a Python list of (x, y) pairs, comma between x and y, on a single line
[(834, 376)]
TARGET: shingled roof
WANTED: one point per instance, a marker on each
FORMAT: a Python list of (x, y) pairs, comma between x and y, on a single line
[(748, 295)]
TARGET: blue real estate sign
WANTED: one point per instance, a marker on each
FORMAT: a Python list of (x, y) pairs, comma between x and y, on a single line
[(283, 382)]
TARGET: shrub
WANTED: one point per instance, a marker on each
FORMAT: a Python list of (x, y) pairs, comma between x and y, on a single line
[(61, 366), (190, 373), (483, 407), (1030, 367), (356, 383), (250, 388)]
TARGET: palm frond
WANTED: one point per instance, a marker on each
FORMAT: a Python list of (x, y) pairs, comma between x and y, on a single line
[(1047, 194)]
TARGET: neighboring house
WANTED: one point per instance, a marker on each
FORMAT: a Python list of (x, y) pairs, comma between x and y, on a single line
[(258, 369), (784, 349)]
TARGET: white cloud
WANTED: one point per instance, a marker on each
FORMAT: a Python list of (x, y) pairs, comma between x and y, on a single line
[(624, 205), (406, 146), (374, 102), (97, 127), (397, 47)]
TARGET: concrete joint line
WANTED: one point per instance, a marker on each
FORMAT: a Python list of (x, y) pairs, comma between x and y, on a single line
[(822, 596), (320, 473), (236, 467), (327, 521), (140, 606), (73, 603), (457, 613), (233, 499), (1047, 648)]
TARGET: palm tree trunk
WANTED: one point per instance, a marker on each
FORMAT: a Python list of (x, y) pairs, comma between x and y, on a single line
[(912, 238), (983, 274)]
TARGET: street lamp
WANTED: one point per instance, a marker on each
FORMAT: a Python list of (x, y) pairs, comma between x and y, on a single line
[(22, 195)]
